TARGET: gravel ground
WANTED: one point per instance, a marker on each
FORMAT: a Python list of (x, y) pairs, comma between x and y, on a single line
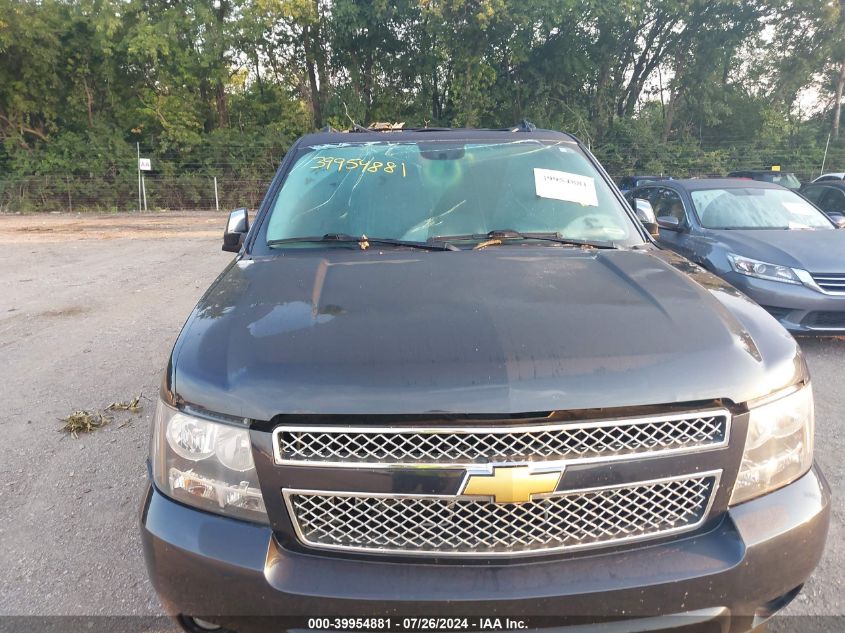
[(90, 309)]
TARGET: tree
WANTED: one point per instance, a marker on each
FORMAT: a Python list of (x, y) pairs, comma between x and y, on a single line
[(30, 58), (216, 85), (809, 47)]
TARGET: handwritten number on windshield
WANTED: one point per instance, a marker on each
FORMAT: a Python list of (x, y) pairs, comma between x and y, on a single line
[(351, 164)]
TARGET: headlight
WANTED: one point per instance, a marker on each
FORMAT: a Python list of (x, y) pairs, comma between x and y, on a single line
[(205, 464), (779, 445), (762, 270)]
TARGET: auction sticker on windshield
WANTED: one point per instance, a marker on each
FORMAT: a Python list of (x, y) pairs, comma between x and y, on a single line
[(799, 208), (561, 185)]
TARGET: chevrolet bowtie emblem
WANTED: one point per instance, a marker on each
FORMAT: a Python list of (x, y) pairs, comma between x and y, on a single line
[(511, 484)]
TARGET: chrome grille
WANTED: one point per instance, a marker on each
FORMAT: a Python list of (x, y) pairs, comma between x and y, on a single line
[(570, 441), (461, 526), (830, 282)]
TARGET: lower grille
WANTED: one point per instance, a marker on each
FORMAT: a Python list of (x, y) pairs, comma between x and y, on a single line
[(825, 320), (461, 526), (778, 313), (831, 282)]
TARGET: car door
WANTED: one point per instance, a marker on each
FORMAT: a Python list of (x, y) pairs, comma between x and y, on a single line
[(833, 201), (814, 194), (637, 192), (641, 193), (647, 192), (667, 203)]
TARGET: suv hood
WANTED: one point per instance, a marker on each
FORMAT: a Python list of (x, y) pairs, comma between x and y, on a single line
[(512, 329), (815, 251)]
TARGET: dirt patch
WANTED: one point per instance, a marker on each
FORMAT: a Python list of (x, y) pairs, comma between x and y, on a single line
[(73, 227), (65, 312)]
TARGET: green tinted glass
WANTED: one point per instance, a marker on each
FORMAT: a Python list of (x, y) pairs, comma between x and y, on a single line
[(416, 191)]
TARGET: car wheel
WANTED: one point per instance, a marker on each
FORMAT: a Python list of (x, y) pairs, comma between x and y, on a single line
[(191, 624)]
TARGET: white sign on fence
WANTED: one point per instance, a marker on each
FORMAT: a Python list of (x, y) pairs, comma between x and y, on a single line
[(145, 164)]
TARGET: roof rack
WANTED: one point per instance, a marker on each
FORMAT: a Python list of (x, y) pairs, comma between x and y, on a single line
[(378, 126), (381, 126), (524, 126)]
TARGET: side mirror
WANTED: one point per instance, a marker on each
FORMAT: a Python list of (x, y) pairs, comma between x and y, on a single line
[(668, 222), (838, 219), (645, 214), (237, 227)]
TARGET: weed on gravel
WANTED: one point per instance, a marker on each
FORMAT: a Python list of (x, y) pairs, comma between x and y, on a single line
[(84, 422)]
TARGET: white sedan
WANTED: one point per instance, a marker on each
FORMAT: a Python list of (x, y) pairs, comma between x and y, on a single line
[(833, 176)]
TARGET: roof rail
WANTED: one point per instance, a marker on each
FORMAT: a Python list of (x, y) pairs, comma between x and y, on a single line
[(378, 126), (374, 127), (525, 126)]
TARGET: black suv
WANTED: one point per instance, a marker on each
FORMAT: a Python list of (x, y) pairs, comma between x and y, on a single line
[(448, 376)]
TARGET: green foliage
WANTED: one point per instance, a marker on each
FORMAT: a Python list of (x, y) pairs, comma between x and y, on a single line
[(220, 88)]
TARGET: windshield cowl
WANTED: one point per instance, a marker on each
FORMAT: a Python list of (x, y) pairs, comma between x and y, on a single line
[(362, 242), (509, 236)]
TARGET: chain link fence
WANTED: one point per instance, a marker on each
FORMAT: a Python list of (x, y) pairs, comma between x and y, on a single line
[(178, 187), (70, 194)]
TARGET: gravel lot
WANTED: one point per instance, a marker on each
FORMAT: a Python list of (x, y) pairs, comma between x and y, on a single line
[(90, 309)]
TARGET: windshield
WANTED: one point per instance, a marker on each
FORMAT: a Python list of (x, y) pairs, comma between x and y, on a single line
[(755, 208), (416, 191), (786, 179)]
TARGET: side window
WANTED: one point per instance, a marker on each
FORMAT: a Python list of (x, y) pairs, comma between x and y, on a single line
[(636, 193), (826, 178), (814, 194), (833, 201), (652, 194), (667, 203)]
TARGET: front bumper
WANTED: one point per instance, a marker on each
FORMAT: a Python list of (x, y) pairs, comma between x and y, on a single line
[(750, 565), (799, 309)]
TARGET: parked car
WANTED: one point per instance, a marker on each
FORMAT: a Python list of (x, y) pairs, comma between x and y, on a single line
[(764, 239), (449, 374), (829, 196), (632, 182), (830, 177), (784, 178)]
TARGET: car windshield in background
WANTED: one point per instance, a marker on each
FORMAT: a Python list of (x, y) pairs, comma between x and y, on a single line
[(784, 179), (756, 208), (418, 191)]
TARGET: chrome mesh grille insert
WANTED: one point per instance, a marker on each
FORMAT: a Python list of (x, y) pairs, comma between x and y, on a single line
[(461, 526), (604, 439)]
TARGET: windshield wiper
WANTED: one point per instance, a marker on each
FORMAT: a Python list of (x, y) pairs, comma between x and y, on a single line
[(496, 237), (363, 242)]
